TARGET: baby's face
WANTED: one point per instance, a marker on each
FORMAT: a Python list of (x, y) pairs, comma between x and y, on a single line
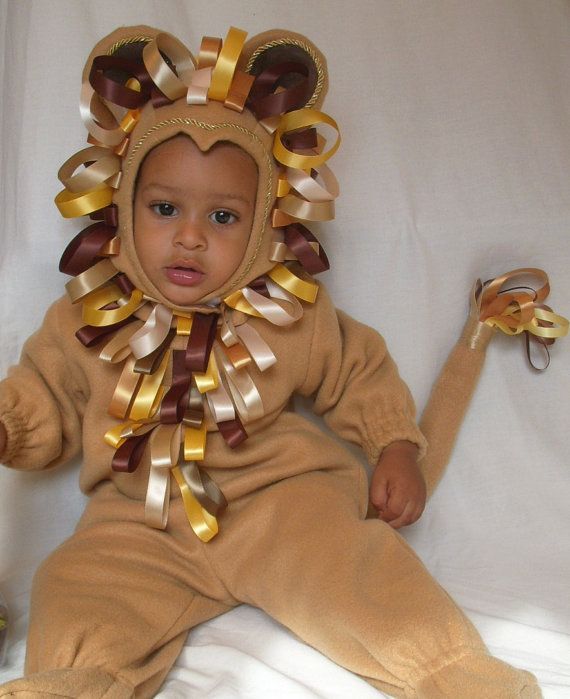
[(193, 214)]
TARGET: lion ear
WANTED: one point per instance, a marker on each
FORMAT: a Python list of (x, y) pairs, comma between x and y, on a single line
[(291, 61), (124, 42)]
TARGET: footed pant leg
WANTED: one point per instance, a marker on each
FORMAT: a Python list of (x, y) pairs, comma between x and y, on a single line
[(354, 589), (112, 606)]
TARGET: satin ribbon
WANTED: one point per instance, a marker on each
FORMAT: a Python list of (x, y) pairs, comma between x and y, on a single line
[(299, 119), (516, 310), (171, 84), (153, 333), (90, 280), (246, 398), (85, 248), (223, 72), (203, 524), (164, 450)]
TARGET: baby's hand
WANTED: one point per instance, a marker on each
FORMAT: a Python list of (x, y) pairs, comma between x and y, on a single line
[(398, 489)]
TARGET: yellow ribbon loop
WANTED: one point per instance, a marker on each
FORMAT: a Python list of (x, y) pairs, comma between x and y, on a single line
[(150, 392), (195, 443), (204, 525), (223, 72), (94, 312), (299, 287), (209, 380), (74, 204), (303, 118)]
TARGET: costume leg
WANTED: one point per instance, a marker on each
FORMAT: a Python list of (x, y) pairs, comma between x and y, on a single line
[(355, 590), (112, 606)]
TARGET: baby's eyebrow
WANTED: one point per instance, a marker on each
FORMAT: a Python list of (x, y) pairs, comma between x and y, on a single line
[(219, 196)]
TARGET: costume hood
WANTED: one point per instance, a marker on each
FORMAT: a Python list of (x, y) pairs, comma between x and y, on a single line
[(142, 87)]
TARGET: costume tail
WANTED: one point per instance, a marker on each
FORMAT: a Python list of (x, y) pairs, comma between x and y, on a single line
[(514, 310)]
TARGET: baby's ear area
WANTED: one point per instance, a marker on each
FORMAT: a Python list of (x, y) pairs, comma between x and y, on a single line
[(124, 42), (289, 69)]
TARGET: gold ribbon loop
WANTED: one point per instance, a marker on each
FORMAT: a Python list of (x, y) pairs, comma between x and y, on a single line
[(164, 449), (298, 119), (94, 312), (299, 287), (203, 524), (224, 69)]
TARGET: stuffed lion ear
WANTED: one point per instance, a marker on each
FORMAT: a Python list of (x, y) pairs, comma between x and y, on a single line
[(125, 42), (290, 72)]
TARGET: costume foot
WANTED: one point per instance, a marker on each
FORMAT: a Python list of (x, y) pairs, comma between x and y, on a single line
[(479, 677), (87, 683)]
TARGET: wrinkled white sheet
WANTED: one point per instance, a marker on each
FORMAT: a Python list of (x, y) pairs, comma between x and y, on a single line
[(455, 161)]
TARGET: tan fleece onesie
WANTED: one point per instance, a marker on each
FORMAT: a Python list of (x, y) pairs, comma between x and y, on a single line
[(112, 606)]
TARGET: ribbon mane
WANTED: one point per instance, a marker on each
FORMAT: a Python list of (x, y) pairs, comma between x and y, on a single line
[(183, 373)]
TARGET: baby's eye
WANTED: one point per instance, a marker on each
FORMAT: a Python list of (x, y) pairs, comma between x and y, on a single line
[(223, 217), (163, 208)]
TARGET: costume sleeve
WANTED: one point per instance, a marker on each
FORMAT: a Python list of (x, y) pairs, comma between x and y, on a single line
[(355, 383), (42, 399)]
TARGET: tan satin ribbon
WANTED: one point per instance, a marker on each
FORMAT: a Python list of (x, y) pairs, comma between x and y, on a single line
[(244, 393), (516, 311), (103, 166), (164, 446), (125, 390), (73, 205), (257, 347), (310, 187), (238, 355), (95, 114), (199, 85), (118, 348), (279, 252), (306, 210), (220, 404), (90, 280), (153, 333), (209, 51), (170, 84)]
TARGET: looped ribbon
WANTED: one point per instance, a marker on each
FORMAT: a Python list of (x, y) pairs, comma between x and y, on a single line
[(519, 309)]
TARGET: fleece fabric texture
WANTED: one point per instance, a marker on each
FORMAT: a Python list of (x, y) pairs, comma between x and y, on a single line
[(120, 597)]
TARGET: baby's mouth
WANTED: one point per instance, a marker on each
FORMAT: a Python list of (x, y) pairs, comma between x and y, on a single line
[(184, 276)]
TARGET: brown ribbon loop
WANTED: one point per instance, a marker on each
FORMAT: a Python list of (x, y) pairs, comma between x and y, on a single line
[(91, 336), (205, 490), (108, 77), (110, 215), (233, 432), (298, 239), (175, 403), (83, 251), (265, 102), (301, 140), (200, 342), (128, 455)]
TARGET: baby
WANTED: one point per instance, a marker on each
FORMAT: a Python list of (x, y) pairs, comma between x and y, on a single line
[(192, 319)]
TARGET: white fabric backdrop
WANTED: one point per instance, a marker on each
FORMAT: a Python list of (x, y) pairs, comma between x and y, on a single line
[(456, 124)]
